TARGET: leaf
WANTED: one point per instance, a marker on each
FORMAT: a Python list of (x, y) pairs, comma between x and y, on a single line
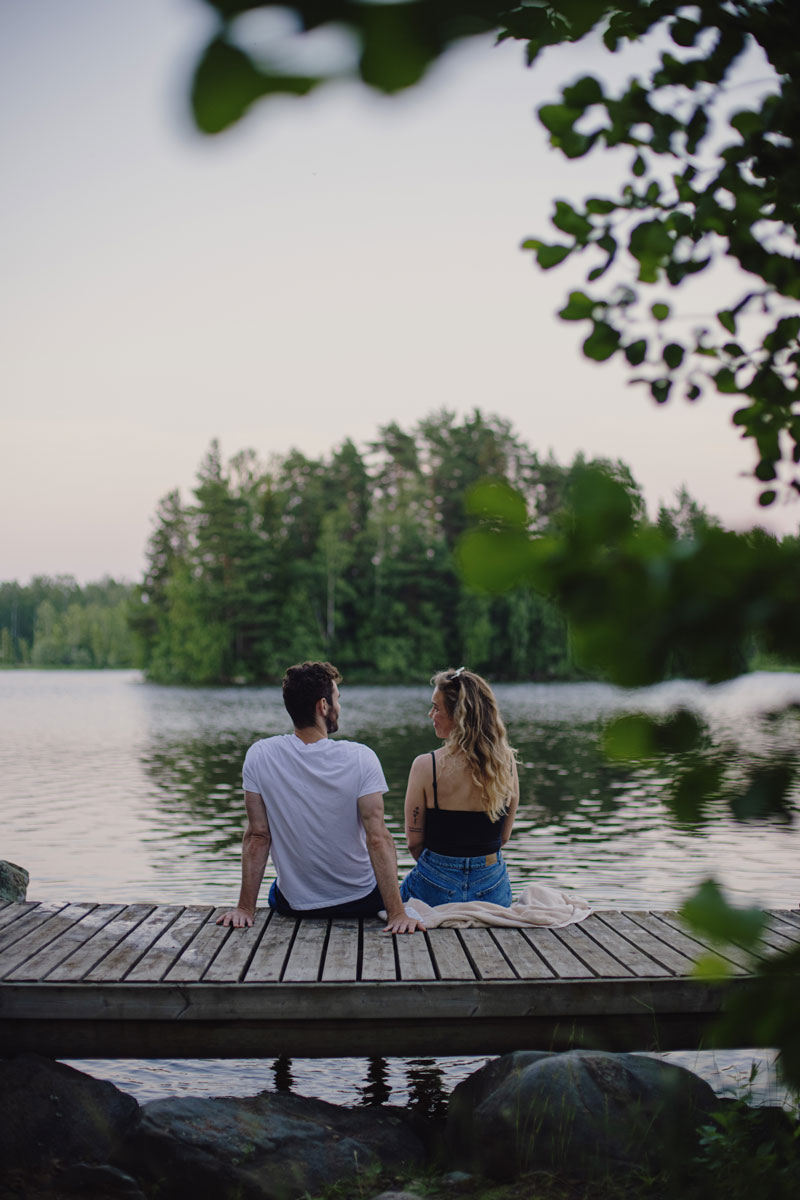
[(629, 737), (708, 912), (397, 48), (601, 342), (569, 221), (693, 392), (660, 390), (600, 207), (227, 83), (651, 244), (725, 381), (639, 166), (673, 355), (496, 500), (636, 352), (684, 32), (584, 93), (493, 560), (727, 320), (559, 118), (660, 312), (547, 256), (578, 307), (767, 498), (747, 123)]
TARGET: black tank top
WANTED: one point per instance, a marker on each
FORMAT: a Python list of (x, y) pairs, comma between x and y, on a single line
[(459, 832)]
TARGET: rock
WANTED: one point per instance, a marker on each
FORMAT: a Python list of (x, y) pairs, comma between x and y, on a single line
[(102, 1181), (14, 882), (579, 1112), (399, 1196), (50, 1112), (265, 1147), (456, 1180)]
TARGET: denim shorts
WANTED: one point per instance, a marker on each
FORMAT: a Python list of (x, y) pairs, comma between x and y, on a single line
[(440, 879)]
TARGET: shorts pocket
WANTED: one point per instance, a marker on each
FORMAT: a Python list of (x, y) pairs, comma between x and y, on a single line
[(429, 885), (495, 889)]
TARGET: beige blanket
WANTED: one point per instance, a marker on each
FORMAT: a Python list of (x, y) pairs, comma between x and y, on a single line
[(536, 905)]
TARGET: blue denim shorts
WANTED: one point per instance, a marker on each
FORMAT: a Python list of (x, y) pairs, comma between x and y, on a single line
[(440, 879)]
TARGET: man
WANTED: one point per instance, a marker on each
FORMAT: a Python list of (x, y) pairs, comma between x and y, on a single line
[(317, 805)]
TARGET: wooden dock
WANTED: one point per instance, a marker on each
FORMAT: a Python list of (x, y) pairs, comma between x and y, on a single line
[(84, 980)]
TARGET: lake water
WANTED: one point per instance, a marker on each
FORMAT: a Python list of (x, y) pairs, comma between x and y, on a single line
[(113, 789)]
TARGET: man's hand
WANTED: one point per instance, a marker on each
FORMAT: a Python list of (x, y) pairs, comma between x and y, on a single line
[(239, 918), (402, 923)]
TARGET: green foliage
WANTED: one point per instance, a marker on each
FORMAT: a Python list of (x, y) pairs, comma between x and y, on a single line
[(58, 623), (747, 1152), (355, 558)]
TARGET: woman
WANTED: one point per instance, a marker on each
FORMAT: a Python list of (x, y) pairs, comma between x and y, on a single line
[(461, 799)]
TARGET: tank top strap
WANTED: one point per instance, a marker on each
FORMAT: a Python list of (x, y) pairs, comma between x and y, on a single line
[(435, 795)]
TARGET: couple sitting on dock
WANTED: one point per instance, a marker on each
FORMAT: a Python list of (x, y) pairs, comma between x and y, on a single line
[(317, 806)]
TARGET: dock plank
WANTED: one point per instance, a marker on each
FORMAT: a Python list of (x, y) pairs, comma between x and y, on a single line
[(233, 959), (195, 959), (561, 961), (776, 923), (341, 959), (159, 957), (267, 963), (637, 961), (12, 912), (414, 957), (589, 951), (89, 953), (29, 921), (377, 954), (73, 935), (668, 925), (790, 915), (666, 945), (304, 964), (24, 948), (487, 957), (134, 945), (520, 953), (449, 956)]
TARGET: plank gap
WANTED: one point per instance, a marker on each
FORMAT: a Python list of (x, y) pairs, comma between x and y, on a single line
[(288, 953)]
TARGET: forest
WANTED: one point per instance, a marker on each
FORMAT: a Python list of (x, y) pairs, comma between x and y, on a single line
[(56, 622), (351, 557)]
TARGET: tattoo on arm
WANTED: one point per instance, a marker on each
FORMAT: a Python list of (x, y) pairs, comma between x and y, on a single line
[(415, 826)]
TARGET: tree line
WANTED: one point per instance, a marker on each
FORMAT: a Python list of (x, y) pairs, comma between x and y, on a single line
[(353, 557), (56, 622)]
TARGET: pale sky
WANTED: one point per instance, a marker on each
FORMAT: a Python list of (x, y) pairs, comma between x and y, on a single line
[(330, 265)]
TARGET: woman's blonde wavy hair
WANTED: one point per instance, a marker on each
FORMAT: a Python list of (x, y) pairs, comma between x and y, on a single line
[(479, 733)]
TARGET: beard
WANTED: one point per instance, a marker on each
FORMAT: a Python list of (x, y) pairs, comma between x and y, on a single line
[(331, 723)]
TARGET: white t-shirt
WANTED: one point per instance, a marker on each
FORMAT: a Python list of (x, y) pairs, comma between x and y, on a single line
[(311, 794)]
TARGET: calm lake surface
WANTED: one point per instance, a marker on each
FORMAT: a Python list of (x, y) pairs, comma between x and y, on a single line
[(113, 789)]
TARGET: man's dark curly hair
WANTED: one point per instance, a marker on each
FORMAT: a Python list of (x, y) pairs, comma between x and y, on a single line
[(303, 685)]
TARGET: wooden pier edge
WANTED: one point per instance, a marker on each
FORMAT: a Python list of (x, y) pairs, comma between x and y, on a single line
[(88, 980)]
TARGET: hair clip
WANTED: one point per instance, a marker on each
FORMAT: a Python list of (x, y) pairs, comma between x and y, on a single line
[(456, 674)]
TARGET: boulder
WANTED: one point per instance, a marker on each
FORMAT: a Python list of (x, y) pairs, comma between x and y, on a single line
[(265, 1147), (14, 882), (579, 1112), (52, 1113)]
